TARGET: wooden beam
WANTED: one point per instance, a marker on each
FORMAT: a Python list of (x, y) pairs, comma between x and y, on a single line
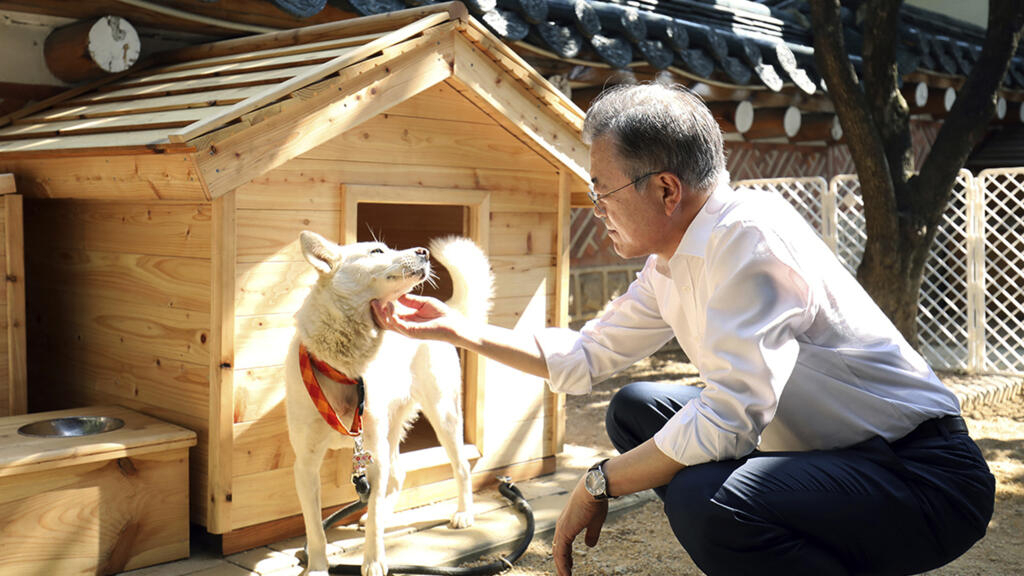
[(817, 127), (236, 17), (14, 254), (774, 123), (518, 110), (916, 94), (304, 124), (222, 359), (91, 49), (940, 102)]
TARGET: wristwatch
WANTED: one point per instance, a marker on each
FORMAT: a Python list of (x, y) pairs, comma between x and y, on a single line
[(596, 482)]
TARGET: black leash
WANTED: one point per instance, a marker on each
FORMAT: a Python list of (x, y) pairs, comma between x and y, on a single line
[(506, 488)]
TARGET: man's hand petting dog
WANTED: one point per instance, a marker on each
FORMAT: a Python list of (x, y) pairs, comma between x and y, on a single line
[(419, 317)]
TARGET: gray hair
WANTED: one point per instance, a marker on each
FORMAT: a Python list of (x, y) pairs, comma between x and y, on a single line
[(659, 127)]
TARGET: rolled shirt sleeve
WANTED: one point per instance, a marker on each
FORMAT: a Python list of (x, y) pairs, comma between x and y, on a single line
[(756, 305), (629, 329)]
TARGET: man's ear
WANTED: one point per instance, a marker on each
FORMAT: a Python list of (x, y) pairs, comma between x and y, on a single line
[(318, 251), (672, 191)]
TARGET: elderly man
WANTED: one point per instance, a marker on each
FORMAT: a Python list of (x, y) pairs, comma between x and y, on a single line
[(822, 442)]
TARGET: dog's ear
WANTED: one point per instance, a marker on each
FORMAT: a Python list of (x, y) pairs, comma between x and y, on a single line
[(318, 251)]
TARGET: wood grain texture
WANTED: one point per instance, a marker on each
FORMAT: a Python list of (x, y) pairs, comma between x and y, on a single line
[(137, 177)]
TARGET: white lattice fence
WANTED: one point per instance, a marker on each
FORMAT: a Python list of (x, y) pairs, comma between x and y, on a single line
[(851, 235), (945, 309), (1001, 270)]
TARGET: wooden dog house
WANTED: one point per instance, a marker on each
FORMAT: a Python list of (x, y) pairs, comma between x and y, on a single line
[(163, 208)]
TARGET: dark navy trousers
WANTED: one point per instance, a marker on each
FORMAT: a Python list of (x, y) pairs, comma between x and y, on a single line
[(873, 508)]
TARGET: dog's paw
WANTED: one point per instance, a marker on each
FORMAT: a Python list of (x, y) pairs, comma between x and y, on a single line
[(461, 520), (374, 569)]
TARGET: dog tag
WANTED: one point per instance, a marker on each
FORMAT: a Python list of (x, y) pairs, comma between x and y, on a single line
[(360, 458)]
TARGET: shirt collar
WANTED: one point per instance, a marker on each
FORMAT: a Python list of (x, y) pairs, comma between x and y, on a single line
[(696, 237)]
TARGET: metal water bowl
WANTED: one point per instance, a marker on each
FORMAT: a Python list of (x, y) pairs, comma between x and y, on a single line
[(72, 426)]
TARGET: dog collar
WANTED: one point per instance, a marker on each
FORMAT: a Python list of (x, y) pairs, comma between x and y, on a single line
[(306, 363)]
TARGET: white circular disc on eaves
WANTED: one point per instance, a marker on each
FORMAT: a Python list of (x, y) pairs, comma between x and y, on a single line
[(114, 44)]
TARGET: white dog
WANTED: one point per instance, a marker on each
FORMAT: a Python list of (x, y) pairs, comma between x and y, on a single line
[(401, 375)]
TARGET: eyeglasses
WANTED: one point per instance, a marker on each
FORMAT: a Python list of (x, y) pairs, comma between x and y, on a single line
[(594, 196)]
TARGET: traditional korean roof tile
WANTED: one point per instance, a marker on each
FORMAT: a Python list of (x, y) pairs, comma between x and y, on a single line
[(741, 43)]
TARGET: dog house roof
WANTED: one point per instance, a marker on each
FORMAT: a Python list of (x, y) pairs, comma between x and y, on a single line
[(200, 121)]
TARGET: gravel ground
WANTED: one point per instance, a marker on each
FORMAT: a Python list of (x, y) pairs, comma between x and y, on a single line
[(640, 542)]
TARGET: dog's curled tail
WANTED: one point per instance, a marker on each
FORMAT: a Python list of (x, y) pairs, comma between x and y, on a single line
[(472, 280)]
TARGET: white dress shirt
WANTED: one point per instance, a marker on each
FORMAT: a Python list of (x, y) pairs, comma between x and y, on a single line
[(794, 353)]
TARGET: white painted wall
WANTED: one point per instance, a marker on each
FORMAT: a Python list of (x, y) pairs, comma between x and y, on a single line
[(22, 36)]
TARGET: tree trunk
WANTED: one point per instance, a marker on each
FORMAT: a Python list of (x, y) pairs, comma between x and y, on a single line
[(903, 211)]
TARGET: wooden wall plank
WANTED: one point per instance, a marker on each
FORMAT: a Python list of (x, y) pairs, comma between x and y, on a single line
[(158, 229), (135, 177), (182, 283), (272, 287), (271, 495), (262, 341), (259, 394), (263, 445), (315, 173), (423, 141), (522, 233), (132, 331), (273, 235), (441, 102)]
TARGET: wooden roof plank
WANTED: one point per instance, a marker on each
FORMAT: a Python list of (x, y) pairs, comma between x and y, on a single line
[(318, 72), (225, 97), (197, 85), (121, 139), (385, 22), (127, 122), (229, 69), (270, 53)]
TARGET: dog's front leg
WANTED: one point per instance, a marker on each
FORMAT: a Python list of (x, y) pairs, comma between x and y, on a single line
[(307, 484), (377, 473)]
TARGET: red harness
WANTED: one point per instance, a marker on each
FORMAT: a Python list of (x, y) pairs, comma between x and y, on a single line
[(316, 393)]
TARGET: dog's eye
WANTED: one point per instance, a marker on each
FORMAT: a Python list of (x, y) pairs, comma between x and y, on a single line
[(376, 251)]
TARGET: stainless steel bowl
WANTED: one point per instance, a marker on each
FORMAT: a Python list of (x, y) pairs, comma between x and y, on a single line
[(71, 426)]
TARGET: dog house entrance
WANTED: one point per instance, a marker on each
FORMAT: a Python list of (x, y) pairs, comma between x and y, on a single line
[(403, 226)]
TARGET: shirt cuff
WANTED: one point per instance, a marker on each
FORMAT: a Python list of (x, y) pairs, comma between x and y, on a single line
[(568, 369)]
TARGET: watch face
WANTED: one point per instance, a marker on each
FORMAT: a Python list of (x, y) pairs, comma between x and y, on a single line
[(594, 483)]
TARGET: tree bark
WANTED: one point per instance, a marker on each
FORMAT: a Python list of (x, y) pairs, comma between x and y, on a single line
[(903, 211)]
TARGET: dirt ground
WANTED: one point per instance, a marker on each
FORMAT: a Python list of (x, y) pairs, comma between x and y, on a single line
[(640, 542)]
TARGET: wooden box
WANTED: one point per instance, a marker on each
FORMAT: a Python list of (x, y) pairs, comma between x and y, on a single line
[(163, 263), (96, 504), (12, 301)]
